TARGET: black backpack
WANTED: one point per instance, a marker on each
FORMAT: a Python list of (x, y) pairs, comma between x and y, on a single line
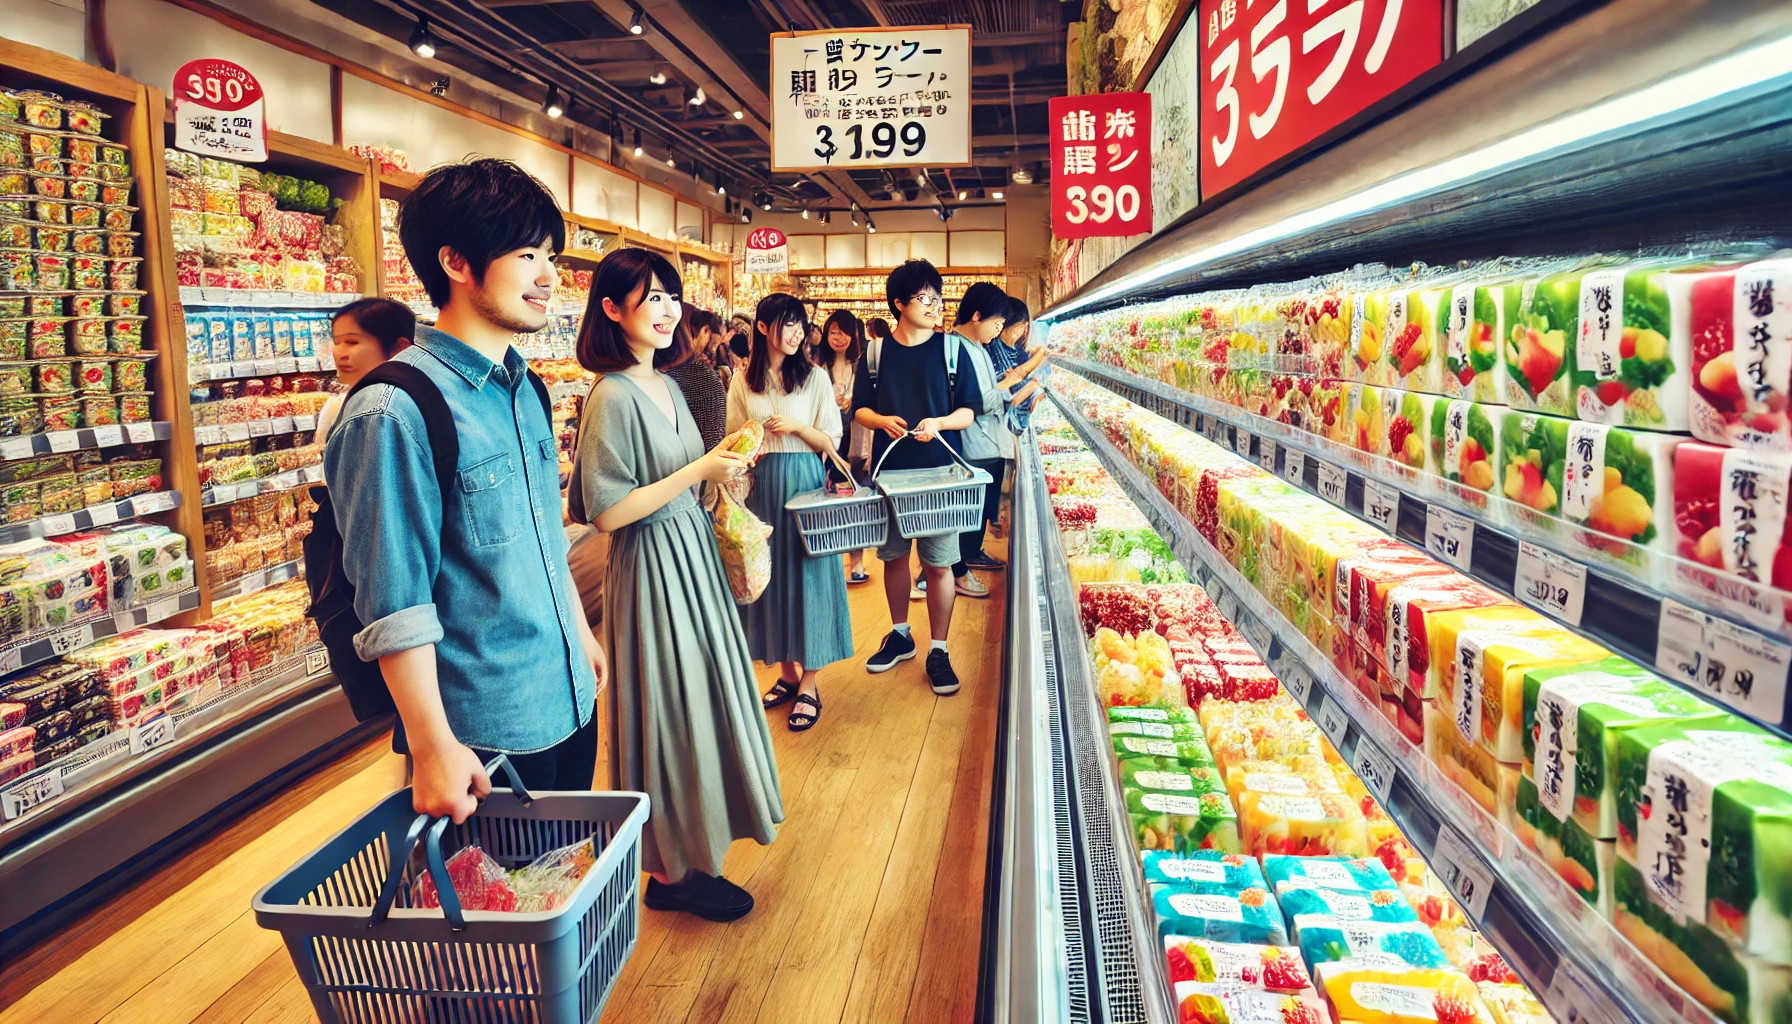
[(332, 595)]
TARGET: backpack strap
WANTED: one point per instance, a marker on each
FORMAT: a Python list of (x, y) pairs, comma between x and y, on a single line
[(953, 340), (438, 420), (541, 392), (874, 349)]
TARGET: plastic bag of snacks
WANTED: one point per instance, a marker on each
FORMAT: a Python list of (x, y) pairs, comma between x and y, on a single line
[(479, 881), (548, 881), (744, 543)]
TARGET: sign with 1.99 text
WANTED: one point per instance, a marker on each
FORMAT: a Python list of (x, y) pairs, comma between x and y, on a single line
[(1277, 74), (871, 97), (1101, 164), (219, 111)]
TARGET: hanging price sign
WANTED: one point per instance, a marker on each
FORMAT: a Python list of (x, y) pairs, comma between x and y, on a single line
[(872, 97), (1450, 536), (1266, 454), (1101, 164), (1375, 768), (219, 111), (1333, 720), (1298, 682), (1550, 582), (768, 251), (1463, 871)]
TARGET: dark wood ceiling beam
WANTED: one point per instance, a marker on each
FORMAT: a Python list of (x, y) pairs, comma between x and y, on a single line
[(591, 51), (1021, 94), (1010, 141), (1033, 38)]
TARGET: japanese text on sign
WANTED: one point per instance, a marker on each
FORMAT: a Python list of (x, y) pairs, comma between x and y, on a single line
[(871, 97), (219, 111), (1101, 164), (1277, 75)]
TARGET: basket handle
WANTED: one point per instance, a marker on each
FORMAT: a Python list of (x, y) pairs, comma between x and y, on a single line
[(892, 447), (432, 855), (840, 464)]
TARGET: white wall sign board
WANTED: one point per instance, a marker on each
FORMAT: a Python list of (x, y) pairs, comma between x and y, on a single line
[(871, 97)]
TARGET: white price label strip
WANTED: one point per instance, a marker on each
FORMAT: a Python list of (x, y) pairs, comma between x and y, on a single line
[(12, 658), (1333, 720), (1298, 682), (1381, 505), (22, 796), (1331, 482), (16, 448), (1753, 679), (1570, 997), (1257, 632), (1374, 767), (236, 431), (1294, 466), (152, 734), (1450, 536), (106, 437), (208, 435), (164, 609), (140, 433), (1266, 454), (1550, 582), (71, 640), (316, 661), (1463, 871), (63, 440), (1241, 442), (56, 526), (104, 515)]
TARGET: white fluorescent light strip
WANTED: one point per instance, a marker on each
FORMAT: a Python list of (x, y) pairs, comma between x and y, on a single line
[(1739, 70)]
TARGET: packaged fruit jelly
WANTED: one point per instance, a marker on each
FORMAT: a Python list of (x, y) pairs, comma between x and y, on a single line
[(1343, 873), (1533, 454), (1180, 824), (1407, 415), (1616, 482), (1581, 861), (1741, 330), (1730, 511), (1303, 903), (1484, 695), (1481, 315), (1235, 965), (1368, 992), (1216, 1003), (1538, 349), (1491, 785), (1325, 939), (1632, 354), (1211, 910), (1232, 869), (1464, 442)]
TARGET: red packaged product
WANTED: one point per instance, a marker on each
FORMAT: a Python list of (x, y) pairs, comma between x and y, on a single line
[(1740, 388), (1725, 516)]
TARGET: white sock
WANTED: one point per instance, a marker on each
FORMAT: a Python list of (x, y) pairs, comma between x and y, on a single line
[(901, 627), (939, 645)]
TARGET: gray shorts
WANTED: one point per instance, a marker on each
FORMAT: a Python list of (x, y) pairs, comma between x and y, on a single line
[(938, 552)]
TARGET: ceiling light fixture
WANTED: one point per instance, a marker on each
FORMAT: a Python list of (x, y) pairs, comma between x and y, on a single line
[(638, 23), (805, 213), (998, 194), (869, 226), (671, 160), (827, 216), (764, 199), (638, 150), (1023, 177), (553, 106), (740, 115), (746, 215), (439, 87), (697, 98), (422, 43), (963, 195), (658, 77)]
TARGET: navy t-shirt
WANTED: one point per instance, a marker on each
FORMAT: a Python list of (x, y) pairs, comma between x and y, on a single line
[(911, 383)]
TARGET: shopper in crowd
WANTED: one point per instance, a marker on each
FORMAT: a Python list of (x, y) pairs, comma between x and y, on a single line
[(844, 346), (697, 379), (463, 585), (1018, 367), (684, 708), (988, 443), (801, 622), (363, 334), (907, 392)]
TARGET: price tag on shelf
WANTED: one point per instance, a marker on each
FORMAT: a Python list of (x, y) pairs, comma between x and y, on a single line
[(1463, 871), (167, 608), (1745, 670), (1228, 606), (71, 639), (1241, 441), (263, 367), (63, 440), (20, 797), (243, 368), (1299, 682), (257, 580), (261, 428), (1449, 535), (286, 364), (17, 448), (1333, 720), (104, 514), (236, 431), (1551, 583), (304, 422), (106, 437), (208, 435), (264, 298), (12, 658), (1294, 466), (149, 504), (1381, 505), (1374, 767), (1331, 482), (1257, 632), (140, 433), (218, 371), (57, 525), (284, 424), (307, 364), (316, 661), (216, 296), (157, 732), (1266, 454), (1570, 997)]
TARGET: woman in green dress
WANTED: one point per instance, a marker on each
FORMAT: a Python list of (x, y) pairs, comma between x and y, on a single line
[(688, 728)]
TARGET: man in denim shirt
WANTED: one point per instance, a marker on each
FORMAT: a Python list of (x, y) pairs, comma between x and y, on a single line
[(468, 602)]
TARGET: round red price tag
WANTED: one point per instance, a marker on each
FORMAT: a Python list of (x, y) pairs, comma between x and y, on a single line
[(218, 84)]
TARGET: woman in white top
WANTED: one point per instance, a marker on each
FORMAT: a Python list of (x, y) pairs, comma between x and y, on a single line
[(845, 346), (801, 621), (363, 334)]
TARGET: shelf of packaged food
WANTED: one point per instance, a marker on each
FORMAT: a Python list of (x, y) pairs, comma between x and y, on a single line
[(69, 778), (199, 372), (103, 514), (245, 299), (396, 184), (224, 494), (581, 256), (1677, 632), (57, 442), (45, 646), (260, 579), (705, 253), (220, 433), (1555, 940)]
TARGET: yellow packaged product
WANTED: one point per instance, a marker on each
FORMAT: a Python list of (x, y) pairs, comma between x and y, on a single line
[(1475, 771), (1484, 694), (1361, 990)]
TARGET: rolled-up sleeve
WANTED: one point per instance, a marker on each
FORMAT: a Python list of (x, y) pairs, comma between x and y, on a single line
[(389, 513)]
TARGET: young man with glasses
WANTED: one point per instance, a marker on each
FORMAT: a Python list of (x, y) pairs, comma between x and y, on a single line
[(904, 389)]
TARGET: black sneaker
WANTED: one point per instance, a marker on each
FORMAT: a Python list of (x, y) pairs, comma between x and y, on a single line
[(896, 647), (985, 561), (940, 674), (707, 896)]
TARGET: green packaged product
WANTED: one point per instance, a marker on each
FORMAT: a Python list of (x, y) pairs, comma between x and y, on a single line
[(1182, 823), (1162, 753), (1578, 859), (1175, 781)]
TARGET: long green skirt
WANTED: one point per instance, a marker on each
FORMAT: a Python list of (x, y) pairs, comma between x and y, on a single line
[(802, 616)]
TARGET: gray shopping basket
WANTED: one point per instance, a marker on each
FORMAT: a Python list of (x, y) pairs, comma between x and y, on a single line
[(833, 524), (366, 956), (933, 502)]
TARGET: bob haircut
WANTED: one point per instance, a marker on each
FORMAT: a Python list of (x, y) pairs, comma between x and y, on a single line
[(877, 327), (984, 301), (849, 325), (910, 280), (481, 209), (777, 311), (391, 323), (624, 277)]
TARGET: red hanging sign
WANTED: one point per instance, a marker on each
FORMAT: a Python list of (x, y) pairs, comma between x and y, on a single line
[(1277, 74), (768, 252), (1101, 164), (219, 111)]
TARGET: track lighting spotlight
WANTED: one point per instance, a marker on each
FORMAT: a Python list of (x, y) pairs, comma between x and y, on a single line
[(638, 23), (553, 106), (658, 77), (740, 115), (697, 98), (422, 43), (638, 149)]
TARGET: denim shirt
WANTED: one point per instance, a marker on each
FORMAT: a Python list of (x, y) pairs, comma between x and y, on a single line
[(483, 576), (1004, 358)]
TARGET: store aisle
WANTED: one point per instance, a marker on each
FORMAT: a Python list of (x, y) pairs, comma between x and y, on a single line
[(888, 820)]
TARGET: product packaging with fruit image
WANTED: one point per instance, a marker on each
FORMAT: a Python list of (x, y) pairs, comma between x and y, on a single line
[(1465, 446), (1741, 330)]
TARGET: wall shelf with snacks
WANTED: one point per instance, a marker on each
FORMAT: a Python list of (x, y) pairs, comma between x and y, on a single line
[(1682, 632), (260, 579), (82, 439), (1555, 939), (224, 494), (91, 517)]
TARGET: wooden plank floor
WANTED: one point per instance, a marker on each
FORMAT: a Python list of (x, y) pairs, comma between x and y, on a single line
[(869, 904)]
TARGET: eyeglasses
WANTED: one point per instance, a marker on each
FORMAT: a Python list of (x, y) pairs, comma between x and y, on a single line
[(928, 299)]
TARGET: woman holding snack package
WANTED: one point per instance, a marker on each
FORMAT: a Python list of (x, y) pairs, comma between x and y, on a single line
[(686, 730), (801, 622)]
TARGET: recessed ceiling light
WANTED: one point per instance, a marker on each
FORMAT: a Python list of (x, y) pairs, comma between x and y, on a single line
[(740, 115), (963, 195), (1023, 177)]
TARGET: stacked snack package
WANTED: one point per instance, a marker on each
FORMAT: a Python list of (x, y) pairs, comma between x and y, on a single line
[(233, 336), (1281, 889), (256, 532), (397, 279), (236, 227), (71, 312), (482, 884)]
